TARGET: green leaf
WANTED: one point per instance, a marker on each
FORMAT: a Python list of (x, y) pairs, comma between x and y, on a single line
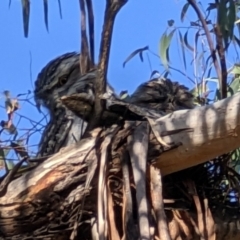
[(195, 91), (134, 53), (26, 14), (222, 20), (10, 165), (3, 154), (164, 47), (231, 18), (45, 5), (183, 50), (196, 39), (165, 75), (234, 87), (209, 72), (235, 70), (200, 89), (170, 22), (235, 154), (184, 11), (186, 42), (153, 73), (211, 6), (60, 8), (199, 60)]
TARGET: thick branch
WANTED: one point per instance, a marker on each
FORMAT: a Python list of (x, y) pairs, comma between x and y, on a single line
[(215, 131), (112, 8)]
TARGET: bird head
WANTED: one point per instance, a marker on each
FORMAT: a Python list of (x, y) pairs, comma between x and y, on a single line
[(60, 84), (55, 78)]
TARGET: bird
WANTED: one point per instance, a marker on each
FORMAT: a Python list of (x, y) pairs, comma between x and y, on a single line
[(61, 80), (163, 95), (58, 79), (160, 95)]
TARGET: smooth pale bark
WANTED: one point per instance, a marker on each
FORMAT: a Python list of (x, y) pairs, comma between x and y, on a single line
[(138, 148), (215, 131)]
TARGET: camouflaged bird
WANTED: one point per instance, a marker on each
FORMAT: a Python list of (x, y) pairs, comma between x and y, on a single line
[(59, 78), (69, 97), (162, 95)]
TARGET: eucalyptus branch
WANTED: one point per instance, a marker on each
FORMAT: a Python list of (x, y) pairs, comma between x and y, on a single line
[(221, 54), (210, 43), (91, 30), (111, 10), (84, 56)]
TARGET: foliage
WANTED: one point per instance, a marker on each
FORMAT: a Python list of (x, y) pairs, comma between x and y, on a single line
[(213, 38), (26, 9), (212, 41)]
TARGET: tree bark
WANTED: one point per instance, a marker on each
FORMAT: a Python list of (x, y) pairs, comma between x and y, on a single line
[(210, 132), (48, 195)]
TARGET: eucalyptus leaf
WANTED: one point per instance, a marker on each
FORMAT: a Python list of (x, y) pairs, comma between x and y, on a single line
[(183, 49), (134, 53), (235, 70), (184, 11), (60, 8), (26, 15), (45, 4), (170, 22), (231, 18), (186, 42), (222, 20), (234, 87), (164, 47)]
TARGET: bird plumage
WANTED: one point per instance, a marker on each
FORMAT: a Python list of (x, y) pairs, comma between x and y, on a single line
[(162, 95), (61, 77), (64, 127)]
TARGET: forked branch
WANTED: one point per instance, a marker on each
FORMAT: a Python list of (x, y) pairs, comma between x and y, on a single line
[(111, 10), (84, 56)]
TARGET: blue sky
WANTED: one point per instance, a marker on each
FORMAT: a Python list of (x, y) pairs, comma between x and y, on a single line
[(140, 23), (137, 25)]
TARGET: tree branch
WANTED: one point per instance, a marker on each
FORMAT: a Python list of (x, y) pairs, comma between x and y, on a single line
[(112, 8), (91, 31), (215, 131), (210, 44), (56, 186), (84, 56), (221, 54)]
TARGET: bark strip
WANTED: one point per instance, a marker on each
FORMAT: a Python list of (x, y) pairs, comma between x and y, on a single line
[(138, 149)]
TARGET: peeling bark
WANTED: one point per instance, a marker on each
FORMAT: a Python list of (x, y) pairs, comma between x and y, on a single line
[(44, 201)]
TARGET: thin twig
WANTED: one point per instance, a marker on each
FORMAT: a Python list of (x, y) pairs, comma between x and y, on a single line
[(221, 54), (210, 42)]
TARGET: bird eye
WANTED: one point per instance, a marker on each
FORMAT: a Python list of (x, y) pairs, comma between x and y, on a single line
[(62, 80)]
